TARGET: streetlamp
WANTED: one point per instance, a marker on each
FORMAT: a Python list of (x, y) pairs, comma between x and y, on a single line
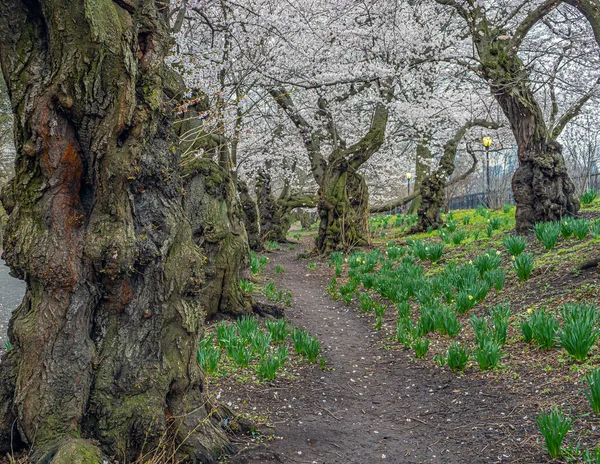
[(487, 143), (408, 178)]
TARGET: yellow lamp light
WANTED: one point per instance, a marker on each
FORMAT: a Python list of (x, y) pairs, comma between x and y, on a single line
[(487, 141), (408, 175)]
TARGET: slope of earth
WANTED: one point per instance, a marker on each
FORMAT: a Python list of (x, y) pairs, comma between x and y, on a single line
[(374, 402)]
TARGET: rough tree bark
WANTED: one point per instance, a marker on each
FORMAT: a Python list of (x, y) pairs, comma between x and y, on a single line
[(218, 228), (433, 187), (343, 195), (542, 188), (105, 338), (214, 210), (276, 214), (422, 171), (251, 216)]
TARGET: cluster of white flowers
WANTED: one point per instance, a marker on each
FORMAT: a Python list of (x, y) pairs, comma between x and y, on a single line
[(341, 51)]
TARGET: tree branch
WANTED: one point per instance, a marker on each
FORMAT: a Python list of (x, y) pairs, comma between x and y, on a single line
[(310, 138), (573, 111), (459, 8), (529, 22)]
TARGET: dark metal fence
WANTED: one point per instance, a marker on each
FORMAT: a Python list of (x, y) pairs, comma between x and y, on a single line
[(498, 199)]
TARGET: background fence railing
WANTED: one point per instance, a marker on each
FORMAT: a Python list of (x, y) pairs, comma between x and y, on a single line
[(497, 199)]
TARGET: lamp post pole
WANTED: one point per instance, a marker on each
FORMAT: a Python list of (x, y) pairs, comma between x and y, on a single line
[(487, 143)]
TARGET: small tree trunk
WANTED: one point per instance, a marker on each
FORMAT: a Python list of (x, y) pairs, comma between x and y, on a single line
[(106, 337), (433, 187), (276, 216), (343, 209), (433, 192), (422, 171), (273, 224), (251, 216)]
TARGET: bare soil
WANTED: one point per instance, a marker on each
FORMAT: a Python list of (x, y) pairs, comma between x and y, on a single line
[(375, 403)]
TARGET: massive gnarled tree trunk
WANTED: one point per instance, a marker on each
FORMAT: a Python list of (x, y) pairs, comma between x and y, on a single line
[(343, 207), (276, 214), (218, 228), (105, 338), (343, 195), (541, 185), (542, 188)]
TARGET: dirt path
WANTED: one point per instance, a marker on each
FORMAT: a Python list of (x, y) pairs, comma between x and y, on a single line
[(376, 404)]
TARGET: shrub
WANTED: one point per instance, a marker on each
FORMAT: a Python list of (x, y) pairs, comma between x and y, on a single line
[(566, 229), (580, 228), (506, 208), (554, 426), (495, 278), (487, 261), (588, 197), (593, 395), (458, 237), (447, 322), (514, 244), (488, 355), (523, 265), (267, 367), (547, 233), (457, 357), (543, 328), (579, 333), (421, 346), (500, 315), (434, 251), (466, 220), (278, 329)]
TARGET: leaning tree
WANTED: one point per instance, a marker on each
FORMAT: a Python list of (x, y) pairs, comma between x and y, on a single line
[(542, 188), (105, 339)]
